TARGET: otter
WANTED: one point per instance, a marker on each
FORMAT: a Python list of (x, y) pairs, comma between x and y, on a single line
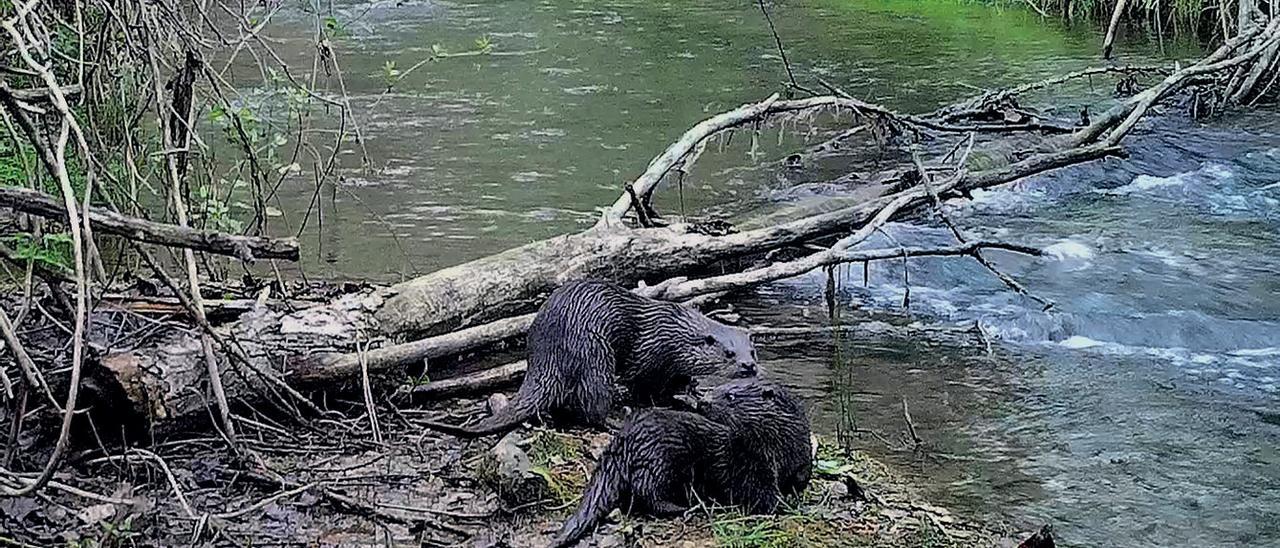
[(746, 445), (766, 452), (648, 466), (591, 335)]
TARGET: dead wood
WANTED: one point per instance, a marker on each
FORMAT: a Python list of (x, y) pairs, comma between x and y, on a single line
[(244, 247), (1109, 42), (215, 311)]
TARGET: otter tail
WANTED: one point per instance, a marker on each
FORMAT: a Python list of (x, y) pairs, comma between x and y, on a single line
[(520, 409), (603, 494)]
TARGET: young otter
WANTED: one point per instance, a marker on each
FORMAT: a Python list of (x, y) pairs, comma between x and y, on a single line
[(591, 334), (766, 453), (748, 445), (648, 466)]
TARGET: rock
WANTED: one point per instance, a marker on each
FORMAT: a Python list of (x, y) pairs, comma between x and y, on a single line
[(512, 462), (836, 489), (509, 471), (497, 402), (97, 513)]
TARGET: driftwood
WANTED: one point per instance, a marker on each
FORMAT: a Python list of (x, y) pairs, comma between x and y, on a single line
[(244, 247), (465, 307)]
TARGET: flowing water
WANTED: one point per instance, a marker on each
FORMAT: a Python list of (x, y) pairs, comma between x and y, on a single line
[(1141, 410)]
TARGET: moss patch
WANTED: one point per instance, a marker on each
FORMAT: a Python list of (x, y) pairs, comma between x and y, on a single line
[(558, 460)]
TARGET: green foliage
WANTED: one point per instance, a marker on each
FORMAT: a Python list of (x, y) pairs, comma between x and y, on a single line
[(750, 532), (390, 75), (212, 210), (1189, 14), (113, 534), (553, 455), (484, 45), (53, 250), (833, 467), (735, 530), (334, 28), (233, 122), (558, 490), (15, 161)]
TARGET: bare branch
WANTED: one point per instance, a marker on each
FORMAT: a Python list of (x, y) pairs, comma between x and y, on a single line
[(246, 248)]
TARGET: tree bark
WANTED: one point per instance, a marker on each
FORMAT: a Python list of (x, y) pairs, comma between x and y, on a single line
[(243, 247)]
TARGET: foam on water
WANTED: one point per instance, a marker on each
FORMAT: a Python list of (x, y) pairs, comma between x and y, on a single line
[(1079, 342), (1003, 199), (1208, 172), (1068, 250)]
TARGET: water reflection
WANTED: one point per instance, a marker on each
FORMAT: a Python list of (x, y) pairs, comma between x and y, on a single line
[(476, 154)]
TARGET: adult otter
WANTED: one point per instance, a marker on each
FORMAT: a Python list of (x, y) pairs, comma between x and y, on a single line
[(747, 445), (591, 335)]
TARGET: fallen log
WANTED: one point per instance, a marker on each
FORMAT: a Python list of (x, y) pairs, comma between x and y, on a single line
[(165, 382), (487, 300), (301, 345), (246, 248), (680, 289)]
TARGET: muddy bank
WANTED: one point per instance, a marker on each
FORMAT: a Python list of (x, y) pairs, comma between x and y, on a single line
[(327, 483)]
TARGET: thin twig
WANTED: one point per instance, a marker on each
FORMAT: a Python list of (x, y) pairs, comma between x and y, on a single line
[(28, 367), (77, 245), (782, 52), (911, 425), (370, 408), (940, 207), (264, 502)]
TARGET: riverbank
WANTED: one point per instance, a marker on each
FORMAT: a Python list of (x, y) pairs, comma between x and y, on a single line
[(321, 484), (333, 480)]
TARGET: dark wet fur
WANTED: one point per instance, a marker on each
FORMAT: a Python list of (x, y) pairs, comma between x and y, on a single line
[(591, 335), (748, 445), (767, 451), (648, 467)]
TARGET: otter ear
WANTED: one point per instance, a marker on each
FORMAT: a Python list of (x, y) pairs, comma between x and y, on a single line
[(708, 340), (768, 393)]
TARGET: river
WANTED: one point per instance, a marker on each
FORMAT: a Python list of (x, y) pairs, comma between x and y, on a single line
[(1140, 411)]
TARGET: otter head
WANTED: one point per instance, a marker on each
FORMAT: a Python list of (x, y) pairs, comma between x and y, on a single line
[(713, 349), (751, 402)]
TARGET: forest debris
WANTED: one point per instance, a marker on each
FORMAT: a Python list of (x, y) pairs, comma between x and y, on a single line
[(247, 248), (96, 513)]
